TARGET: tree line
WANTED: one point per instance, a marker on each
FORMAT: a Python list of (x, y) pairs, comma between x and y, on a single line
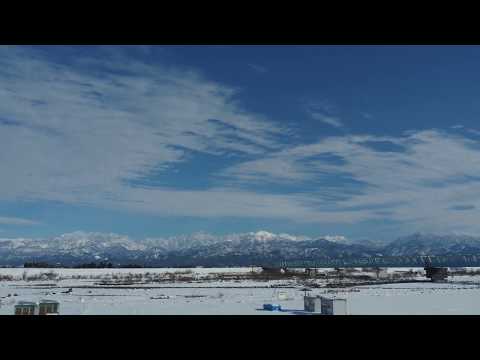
[(91, 265)]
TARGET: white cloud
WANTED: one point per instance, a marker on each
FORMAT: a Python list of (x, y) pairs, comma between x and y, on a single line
[(416, 182), (73, 135), (275, 168), (70, 132), (322, 111), (329, 120), (474, 132), (16, 221), (258, 68)]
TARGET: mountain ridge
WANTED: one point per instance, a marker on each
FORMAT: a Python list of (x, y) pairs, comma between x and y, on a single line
[(238, 249)]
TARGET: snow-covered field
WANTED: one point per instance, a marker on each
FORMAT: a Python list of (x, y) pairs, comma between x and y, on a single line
[(204, 295)]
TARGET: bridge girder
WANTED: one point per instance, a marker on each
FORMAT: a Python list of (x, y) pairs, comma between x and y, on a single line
[(387, 261)]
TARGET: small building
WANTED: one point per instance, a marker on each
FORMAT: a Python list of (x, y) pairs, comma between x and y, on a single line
[(334, 306), (311, 271), (26, 308), (48, 307), (325, 306), (436, 273), (312, 303), (381, 273)]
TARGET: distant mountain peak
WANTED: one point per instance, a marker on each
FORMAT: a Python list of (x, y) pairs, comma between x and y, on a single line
[(336, 238), (263, 235)]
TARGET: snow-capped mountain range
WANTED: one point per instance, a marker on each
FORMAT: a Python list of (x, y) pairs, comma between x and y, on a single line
[(82, 246), (434, 244), (213, 250)]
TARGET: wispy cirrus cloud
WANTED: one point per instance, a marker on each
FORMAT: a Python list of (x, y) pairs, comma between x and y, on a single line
[(323, 112), (258, 68), (419, 178), (74, 130), (463, 207), (17, 221), (329, 120)]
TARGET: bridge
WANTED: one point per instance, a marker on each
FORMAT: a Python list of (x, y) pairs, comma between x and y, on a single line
[(384, 261)]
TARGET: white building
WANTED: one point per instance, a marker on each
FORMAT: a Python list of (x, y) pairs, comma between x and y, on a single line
[(312, 304), (325, 306), (334, 306)]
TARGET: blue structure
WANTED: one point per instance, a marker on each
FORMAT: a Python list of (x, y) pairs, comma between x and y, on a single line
[(272, 307)]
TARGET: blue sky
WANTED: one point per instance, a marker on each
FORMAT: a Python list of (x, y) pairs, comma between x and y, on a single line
[(362, 141)]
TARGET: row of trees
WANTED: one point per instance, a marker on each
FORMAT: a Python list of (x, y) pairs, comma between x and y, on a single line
[(92, 265), (39, 265)]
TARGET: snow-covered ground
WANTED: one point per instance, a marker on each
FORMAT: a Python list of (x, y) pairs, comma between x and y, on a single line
[(461, 295)]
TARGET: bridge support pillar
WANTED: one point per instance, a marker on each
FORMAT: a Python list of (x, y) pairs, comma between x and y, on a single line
[(436, 274)]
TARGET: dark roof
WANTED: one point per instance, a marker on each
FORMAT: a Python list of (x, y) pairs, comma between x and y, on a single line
[(49, 302), (26, 303)]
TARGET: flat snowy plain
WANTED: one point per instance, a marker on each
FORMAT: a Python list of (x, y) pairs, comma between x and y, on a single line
[(204, 294)]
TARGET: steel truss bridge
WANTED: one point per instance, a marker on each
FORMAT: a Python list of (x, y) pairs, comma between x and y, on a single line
[(385, 261)]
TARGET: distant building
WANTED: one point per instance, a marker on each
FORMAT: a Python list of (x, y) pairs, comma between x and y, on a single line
[(334, 306), (44, 307), (312, 304), (48, 307), (325, 306), (436, 273), (26, 308), (311, 271), (381, 273)]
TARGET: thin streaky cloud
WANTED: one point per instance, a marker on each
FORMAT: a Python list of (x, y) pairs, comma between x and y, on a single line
[(329, 120), (111, 128), (474, 132), (322, 111), (418, 183), (258, 68), (17, 221)]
